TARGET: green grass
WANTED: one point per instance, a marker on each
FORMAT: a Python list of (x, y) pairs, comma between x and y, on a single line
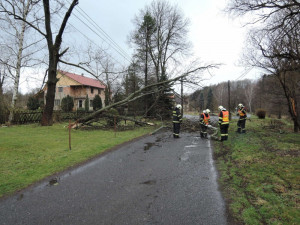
[(260, 172), (30, 153)]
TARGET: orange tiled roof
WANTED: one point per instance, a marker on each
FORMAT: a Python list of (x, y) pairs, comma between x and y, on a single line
[(84, 80)]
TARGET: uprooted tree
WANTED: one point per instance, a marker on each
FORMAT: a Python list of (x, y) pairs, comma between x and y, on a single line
[(158, 87)]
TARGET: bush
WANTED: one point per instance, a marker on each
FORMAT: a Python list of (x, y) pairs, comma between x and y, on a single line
[(111, 120), (261, 113), (97, 103), (33, 103), (67, 104)]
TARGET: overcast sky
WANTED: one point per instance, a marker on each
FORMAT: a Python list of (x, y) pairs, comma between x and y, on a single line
[(215, 37)]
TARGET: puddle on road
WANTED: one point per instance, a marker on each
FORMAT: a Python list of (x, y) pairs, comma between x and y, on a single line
[(149, 182), (53, 181), (148, 145), (20, 197)]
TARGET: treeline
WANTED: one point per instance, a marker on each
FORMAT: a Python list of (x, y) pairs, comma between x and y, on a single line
[(265, 93)]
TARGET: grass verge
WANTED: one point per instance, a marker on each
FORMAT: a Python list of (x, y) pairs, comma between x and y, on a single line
[(260, 173), (29, 153)]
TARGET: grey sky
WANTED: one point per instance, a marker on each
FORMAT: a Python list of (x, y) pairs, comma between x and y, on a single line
[(215, 37)]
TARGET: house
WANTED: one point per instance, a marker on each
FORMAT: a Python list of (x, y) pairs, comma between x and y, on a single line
[(78, 87)]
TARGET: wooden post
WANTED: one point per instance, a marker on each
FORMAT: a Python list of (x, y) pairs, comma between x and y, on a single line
[(115, 125), (69, 134), (181, 97)]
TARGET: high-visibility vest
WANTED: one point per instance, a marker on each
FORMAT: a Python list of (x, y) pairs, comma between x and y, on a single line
[(176, 116), (206, 118), (241, 112), (225, 118)]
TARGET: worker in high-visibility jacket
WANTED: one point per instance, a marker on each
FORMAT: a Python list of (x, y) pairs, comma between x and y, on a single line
[(223, 122), (204, 122), (177, 119), (241, 124)]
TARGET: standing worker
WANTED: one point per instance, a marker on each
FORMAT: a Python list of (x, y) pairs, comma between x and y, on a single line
[(204, 122), (177, 119), (223, 122), (241, 124)]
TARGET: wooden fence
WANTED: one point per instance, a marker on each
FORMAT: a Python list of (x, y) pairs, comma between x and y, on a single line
[(36, 116)]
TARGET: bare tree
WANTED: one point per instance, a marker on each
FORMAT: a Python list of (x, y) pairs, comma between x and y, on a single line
[(18, 47), (272, 12), (249, 93), (54, 47), (276, 44)]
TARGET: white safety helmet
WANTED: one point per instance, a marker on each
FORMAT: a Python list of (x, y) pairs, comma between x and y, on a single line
[(207, 111), (204, 111), (240, 105), (179, 106), (220, 108)]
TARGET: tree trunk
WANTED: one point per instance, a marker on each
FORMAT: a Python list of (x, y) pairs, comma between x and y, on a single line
[(51, 86), (18, 69)]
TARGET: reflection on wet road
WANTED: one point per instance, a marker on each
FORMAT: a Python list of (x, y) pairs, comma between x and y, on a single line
[(155, 180)]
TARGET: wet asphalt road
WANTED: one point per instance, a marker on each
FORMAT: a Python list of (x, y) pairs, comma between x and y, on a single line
[(155, 180)]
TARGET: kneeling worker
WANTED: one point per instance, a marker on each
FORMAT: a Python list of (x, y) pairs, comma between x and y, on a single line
[(177, 119), (204, 122)]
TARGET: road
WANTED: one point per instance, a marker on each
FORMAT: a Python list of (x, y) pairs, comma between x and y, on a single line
[(154, 180)]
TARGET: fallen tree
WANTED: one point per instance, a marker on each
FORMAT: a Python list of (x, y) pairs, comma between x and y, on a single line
[(147, 90)]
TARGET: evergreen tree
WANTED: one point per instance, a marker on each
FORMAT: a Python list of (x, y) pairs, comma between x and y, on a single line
[(209, 104), (67, 104), (33, 103), (97, 103), (201, 102)]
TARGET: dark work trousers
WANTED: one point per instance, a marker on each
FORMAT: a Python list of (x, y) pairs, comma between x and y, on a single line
[(241, 124), (224, 132), (176, 130), (203, 132)]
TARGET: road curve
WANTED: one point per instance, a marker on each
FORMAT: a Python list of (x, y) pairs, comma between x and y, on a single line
[(155, 180)]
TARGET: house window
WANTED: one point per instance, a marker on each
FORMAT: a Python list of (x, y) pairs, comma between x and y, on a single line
[(99, 91), (79, 103), (92, 90), (91, 103), (57, 102), (60, 89)]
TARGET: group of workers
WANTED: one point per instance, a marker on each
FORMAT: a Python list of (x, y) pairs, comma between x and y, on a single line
[(205, 121)]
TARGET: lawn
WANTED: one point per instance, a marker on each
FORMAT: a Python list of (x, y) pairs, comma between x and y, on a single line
[(260, 172), (29, 153)]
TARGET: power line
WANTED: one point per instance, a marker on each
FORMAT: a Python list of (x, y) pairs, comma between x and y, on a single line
[(92, 41), (112, 43), (102, 38), (102, 31)]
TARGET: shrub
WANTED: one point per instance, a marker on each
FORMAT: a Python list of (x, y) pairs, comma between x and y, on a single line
[(97, 103), (111, 120), (67, 104), (33, 103), (261, 113)]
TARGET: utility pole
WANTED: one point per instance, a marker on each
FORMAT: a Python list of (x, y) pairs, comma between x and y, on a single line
[(229, 100), (181, 96)]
